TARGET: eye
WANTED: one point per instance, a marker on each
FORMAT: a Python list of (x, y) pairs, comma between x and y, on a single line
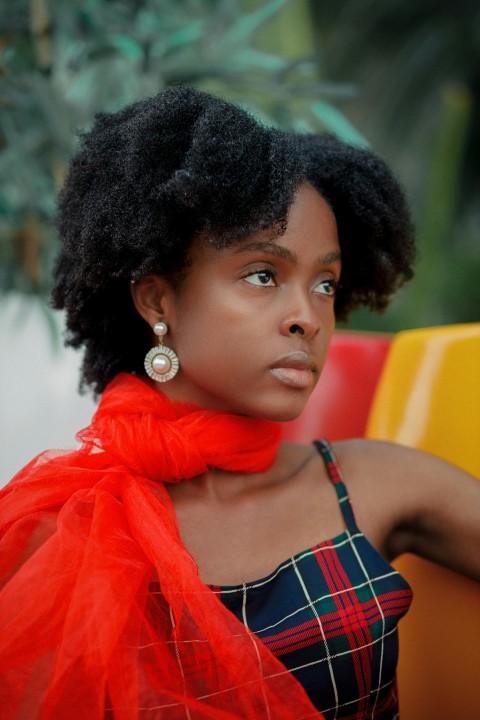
[(262, 278), (327, 287)]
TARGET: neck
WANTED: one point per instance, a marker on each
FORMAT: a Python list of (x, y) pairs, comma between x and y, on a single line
[(223, 486)]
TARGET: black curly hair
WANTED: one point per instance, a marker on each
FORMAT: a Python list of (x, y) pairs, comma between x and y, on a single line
[(147, 179)]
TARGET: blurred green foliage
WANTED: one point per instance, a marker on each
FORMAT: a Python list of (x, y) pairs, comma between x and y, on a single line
[(404, 75), (416, 66), (63, 61)]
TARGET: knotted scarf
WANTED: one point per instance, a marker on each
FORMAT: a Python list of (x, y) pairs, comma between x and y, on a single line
[(102, 611)]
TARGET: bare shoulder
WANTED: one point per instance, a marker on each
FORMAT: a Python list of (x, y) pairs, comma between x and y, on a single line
[(377, 456), (379, 461), (420, 502)]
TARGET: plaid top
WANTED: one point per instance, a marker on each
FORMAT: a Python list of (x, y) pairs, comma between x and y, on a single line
[(330, 615)]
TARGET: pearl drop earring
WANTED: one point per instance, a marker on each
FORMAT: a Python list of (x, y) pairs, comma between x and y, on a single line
[(161, 362)]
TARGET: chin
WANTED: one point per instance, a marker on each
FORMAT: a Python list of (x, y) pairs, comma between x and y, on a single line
[(285, 416), (282, 410)]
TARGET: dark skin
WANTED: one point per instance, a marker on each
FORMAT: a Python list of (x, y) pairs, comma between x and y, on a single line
[(236, 316)]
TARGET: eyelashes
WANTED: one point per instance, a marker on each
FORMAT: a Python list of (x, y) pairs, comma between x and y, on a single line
[(329, 287), (266, 277), (262, 278)]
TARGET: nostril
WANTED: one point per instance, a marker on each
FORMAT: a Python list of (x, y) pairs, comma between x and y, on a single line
[(297, 329)]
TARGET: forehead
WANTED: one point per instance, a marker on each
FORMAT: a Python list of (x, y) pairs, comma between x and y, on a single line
[(310, 223), (310, 220)]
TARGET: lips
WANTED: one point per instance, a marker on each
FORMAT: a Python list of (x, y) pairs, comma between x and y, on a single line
[(295, 370)]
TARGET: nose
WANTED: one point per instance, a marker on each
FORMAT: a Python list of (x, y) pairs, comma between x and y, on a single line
[(304, 327), (303, 321), (296, 328)]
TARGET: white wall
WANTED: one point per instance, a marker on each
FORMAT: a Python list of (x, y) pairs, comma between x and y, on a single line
[(40, 406)]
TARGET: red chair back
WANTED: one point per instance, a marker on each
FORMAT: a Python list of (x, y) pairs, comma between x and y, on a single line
[(339, 406)]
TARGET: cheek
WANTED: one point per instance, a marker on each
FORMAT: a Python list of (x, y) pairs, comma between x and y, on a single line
[(212, 317), (210, 338), (202, 353)]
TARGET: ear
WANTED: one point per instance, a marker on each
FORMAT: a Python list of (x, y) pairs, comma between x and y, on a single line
[(153, 298)]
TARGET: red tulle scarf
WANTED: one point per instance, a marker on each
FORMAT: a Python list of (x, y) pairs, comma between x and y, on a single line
[(102, 612)]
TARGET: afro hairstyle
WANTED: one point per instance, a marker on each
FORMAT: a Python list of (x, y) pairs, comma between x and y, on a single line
[(148, 179)]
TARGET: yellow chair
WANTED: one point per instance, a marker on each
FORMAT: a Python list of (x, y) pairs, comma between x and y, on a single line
[(428, 397)]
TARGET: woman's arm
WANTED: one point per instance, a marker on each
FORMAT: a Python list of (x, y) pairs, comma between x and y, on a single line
[(415, 502), (443, 513)]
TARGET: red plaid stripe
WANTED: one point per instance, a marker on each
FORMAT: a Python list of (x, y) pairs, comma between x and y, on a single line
[(330, 614)]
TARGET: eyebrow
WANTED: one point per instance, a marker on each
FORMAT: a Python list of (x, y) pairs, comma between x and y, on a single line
[(283, 252)]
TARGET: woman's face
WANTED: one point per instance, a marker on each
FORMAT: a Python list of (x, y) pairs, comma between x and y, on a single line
[(251, 324)]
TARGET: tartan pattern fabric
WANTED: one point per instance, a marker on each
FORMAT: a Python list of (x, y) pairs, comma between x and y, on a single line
[(330, 614)]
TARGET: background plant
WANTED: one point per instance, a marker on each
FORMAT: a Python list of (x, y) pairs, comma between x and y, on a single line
[(403, 75), (62, 62), (418, 102)]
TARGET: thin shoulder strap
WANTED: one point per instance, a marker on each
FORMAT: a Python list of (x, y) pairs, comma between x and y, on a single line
[(335, 475)]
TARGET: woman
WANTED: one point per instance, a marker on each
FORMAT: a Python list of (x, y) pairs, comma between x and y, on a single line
[(184, 563)]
